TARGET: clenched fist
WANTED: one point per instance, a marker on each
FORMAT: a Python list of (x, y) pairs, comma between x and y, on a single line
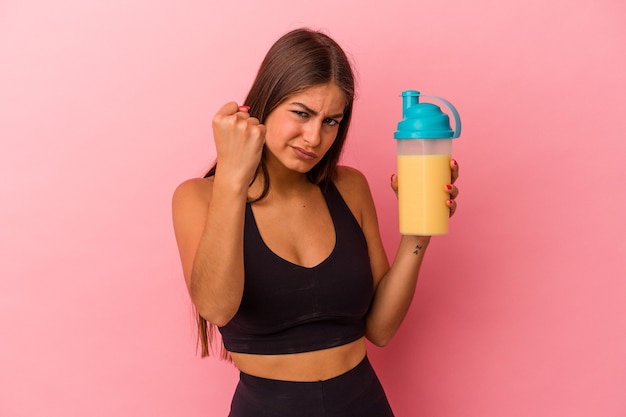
[(239, 140)]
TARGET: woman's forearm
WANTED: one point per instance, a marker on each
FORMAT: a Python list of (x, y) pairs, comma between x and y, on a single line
[(217, 277), (393, 296)]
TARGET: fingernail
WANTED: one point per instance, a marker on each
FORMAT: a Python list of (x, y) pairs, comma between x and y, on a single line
[(454, 162), (448, 187), (391, 179), (244, 108)]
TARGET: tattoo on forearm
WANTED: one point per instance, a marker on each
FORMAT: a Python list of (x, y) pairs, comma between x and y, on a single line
[(417, 250)]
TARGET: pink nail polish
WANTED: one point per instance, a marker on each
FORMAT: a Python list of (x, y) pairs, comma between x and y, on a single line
[(244, 108)]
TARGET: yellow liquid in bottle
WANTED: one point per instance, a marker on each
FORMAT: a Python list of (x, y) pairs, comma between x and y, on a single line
[(422, 194)]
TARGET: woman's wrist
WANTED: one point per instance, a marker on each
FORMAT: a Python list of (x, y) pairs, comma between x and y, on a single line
[(417, 238), (417, 244)]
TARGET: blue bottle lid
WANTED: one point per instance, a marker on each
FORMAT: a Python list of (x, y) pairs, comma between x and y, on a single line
[(426, 120)]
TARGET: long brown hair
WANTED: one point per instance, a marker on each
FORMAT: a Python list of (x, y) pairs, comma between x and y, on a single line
[(300, 59)]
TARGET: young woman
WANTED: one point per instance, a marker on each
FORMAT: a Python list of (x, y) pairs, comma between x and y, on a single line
[(280, 246)]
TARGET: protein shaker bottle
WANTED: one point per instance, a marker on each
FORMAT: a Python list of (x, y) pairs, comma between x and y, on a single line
[(424, 143)]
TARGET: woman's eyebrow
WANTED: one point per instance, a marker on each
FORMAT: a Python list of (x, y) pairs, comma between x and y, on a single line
[(315, 113)]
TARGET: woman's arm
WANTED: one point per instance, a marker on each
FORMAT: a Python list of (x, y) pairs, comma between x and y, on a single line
[(208, 216), (394, 285), (208, 224), (394, 290)]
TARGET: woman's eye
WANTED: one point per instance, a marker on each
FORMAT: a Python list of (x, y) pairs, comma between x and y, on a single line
[(300, 113), (331, 122)]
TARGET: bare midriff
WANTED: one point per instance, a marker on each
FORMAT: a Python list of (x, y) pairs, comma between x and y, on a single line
[(318, 365)]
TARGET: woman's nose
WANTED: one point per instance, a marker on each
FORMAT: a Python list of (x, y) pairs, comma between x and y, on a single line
[(312, 135)]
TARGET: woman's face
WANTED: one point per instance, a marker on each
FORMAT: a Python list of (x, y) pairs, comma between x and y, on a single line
[(304, 126)]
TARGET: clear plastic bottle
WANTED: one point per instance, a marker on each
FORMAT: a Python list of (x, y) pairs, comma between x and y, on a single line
[(424, 148)]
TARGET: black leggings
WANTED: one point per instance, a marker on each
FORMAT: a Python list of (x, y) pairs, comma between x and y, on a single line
[(356, 393)]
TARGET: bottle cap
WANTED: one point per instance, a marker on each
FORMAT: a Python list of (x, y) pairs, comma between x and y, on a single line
[(426, 120)]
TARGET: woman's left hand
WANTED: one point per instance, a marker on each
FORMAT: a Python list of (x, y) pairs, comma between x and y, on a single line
[(450, 188)]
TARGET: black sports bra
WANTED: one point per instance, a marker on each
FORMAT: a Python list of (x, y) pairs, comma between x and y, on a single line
[(287, 308)]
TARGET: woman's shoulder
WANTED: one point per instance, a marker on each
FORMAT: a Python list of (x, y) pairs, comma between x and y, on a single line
[(347, 177), (193, 191), (354, 189)]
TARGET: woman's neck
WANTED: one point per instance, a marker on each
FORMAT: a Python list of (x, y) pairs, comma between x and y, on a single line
[(283, 182)]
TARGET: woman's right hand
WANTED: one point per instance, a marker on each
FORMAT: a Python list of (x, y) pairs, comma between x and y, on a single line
[(239, 140)]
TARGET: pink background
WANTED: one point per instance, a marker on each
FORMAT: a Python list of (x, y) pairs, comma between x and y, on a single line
[(105, 106)]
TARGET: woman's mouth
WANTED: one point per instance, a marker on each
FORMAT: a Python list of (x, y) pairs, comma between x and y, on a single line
[(301, 153)]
